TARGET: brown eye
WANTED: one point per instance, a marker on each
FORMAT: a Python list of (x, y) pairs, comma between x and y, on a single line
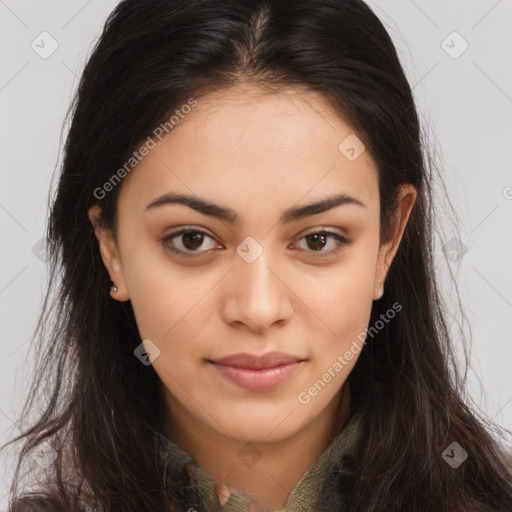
[(192, 240), (186, 242), (318, 240)]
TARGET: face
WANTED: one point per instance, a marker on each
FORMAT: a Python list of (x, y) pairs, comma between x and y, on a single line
[(253, 273)]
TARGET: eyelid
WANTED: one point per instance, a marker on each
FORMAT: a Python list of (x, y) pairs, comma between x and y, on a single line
[(320, 229)]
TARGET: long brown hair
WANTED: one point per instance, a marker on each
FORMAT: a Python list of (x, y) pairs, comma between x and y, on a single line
[(101, 404)]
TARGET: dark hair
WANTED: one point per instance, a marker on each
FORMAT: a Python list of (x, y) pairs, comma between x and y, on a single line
[(103, 404)]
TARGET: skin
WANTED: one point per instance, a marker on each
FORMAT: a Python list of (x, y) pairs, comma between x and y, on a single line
[(258, 154)]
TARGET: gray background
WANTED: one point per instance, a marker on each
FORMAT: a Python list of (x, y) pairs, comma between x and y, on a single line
[(465, 100)]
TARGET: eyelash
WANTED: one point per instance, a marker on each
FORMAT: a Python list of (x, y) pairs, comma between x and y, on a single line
[(341, 242)]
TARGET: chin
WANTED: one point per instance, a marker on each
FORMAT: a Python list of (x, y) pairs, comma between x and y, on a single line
[(261, 426)]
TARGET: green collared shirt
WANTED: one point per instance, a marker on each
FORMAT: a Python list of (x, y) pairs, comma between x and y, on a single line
[(319, 489)]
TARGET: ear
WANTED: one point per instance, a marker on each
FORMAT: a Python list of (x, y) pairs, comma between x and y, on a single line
[(109, 254), (406, 197)]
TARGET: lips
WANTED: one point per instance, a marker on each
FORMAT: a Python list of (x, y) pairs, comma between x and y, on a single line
[(257, 373), (269, 360)]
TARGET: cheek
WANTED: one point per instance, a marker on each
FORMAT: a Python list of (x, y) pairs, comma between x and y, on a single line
[(169, 320), (158, 290), (342, 299), (343, 294), (162, 296), (165, 315)]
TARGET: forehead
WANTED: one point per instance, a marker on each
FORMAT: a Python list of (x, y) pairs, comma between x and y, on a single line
[(242, 145)]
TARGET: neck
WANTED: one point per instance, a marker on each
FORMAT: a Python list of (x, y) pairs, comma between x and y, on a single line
[(282, 463)]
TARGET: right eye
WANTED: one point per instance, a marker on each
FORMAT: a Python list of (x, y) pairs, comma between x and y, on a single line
[(187, 243)]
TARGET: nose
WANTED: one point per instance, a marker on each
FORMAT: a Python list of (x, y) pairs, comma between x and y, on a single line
[(258, 295)]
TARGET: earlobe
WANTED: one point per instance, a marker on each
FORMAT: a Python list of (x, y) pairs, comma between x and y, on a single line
[(381, 271), (379, 291), (110, 256)]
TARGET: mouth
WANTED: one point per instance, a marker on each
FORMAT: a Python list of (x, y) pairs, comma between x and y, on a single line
[(257, 373)]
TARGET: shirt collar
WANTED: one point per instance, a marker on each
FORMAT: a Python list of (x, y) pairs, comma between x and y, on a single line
[(317, 484)]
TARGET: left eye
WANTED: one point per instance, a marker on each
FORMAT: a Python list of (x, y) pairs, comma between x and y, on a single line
[(318, 240)]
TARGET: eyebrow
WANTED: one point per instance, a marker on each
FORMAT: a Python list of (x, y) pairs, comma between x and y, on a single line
[(227, 214)]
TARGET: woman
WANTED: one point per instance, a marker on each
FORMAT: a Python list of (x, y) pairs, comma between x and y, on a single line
[(247, 316)]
